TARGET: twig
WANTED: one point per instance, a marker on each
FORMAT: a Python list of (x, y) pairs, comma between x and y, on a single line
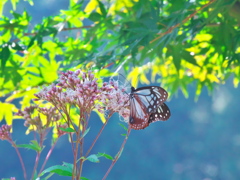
[(42, 135), (118, 154), (20, 158), (98, 135), (47, 157)]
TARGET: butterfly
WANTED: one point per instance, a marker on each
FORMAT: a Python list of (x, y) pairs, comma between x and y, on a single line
[(147, 106)]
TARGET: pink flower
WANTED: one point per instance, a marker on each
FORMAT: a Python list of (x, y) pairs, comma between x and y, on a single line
[(81, 89), (114, 99), (5, 132)]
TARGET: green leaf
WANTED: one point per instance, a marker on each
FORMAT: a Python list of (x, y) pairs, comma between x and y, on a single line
[(102, 8), (124, 127), (105, 155), (16, 46), (14, 3), (4, 55), (94, 16), (189, 58), (60, 170), (2, 3), (176, 60), (31, 42), (83, 178), (93, 158), (85, 133), (33, 145), (67, 129), (69, 165)]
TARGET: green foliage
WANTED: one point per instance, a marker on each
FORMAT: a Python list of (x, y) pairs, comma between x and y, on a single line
[(65, 170), (93, 158), (178, 43), (106, 156), (34, 146), (67, 129)]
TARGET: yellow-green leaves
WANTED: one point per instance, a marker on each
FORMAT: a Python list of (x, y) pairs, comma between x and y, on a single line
[(6, 112)]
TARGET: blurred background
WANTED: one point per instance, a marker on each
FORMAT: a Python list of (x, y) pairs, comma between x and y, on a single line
[(200, 141)]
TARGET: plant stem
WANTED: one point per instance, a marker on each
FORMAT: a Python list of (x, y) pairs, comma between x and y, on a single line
[(47, 157), (20, 158), (98, 135), (42, 135), (118, 154), (74, 159), (81, 138)]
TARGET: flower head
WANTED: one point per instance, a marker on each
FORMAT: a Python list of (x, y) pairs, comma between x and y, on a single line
[(81, 89), (32, 116), (74, 87), (5, 132), (114, 99)]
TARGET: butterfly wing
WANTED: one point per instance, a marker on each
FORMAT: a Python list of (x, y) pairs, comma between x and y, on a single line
[(138, 113), (151, 96), (143, 102), (162, 113)]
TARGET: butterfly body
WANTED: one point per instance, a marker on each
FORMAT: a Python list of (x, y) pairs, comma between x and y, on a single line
[(147, 106)]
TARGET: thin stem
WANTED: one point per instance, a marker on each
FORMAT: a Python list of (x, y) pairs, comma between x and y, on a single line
[(38, 153), (98, 135), (20, 158), (47, 157), (85, 120), (75, 159), (118, 154)]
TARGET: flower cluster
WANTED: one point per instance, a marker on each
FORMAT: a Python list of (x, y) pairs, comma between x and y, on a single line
[(5, 132), (82, 89), (31, 118), (114, 99), (76, 88)]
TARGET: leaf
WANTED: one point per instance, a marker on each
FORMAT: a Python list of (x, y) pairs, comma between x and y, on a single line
[(33, 145), (69, 165), (105, 155), (16, 46), (2, 3), (119, 154), (60, 170), (67, 129), (176, 60), (93, 158), (94, 16), (189, 58), (102, 8), (4, 55), (124, 127), (6, 111), (83, 178), (14, 3), (86, 131)]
